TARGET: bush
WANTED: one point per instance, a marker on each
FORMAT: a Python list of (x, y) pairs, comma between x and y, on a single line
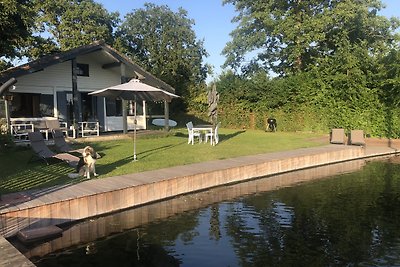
[(5, 138)]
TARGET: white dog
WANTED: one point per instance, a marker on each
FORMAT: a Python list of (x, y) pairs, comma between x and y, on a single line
[(86, 164)]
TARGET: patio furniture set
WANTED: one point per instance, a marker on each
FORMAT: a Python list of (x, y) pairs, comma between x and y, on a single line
[(20, 128), (203, 132)]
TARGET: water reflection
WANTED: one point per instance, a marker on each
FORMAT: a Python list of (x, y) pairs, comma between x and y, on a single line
[(350, 219)]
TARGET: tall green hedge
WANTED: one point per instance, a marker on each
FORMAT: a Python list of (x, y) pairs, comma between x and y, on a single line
[(310, 101)]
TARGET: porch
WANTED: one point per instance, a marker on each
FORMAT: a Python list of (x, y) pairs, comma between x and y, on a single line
[(20, 127)]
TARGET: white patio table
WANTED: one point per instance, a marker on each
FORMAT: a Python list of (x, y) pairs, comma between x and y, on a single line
[(204, 128)]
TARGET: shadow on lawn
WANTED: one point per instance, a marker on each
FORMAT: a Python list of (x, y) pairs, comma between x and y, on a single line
[(225, 137), (23, 171), (149, 152), (107, 168)]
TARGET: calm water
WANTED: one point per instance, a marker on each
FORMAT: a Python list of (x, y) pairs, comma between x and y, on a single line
[(344, 220)]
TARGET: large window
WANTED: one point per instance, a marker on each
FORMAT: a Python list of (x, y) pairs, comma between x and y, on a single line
[(32, 105), (114, 108)]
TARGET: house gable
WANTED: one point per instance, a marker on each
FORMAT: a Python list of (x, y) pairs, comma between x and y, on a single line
[(107, 58)]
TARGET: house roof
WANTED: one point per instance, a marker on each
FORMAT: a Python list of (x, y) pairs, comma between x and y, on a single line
[(52, 59)]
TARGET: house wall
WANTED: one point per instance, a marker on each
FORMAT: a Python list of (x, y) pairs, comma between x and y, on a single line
[(115, 123), (58, 78)]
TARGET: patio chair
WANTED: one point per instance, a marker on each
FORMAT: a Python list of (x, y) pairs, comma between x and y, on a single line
[(54, 124), (357, 138), (89, 128), (338, 136), (61, 144), (41, 126), (214, 139), (43, 152), (20, 131), (192, 133)]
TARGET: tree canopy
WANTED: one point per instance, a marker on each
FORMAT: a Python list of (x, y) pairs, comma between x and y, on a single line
[(75, 23), (290, 36), (16, 21), (164, 42)]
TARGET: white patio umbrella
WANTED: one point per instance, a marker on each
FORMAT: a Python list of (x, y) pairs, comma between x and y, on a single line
[(137, 91)]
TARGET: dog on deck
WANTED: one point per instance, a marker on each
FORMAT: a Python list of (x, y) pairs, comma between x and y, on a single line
[(86, 164)]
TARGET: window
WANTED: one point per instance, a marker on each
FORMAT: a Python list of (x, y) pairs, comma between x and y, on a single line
[(89, 107), (83, 70), (46, 105), (113, 107), (32, 105)]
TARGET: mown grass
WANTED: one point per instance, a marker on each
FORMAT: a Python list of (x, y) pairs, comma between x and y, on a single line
[(19, 172)]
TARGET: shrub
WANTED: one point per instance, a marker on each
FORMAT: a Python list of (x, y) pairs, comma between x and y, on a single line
[(5, 137)]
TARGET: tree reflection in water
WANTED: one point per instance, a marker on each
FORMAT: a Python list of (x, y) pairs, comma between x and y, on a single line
[(351, 219)]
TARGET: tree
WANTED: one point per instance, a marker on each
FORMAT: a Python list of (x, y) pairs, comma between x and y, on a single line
[(72, 23), (164, 43), (390, 78), (289, 36), (16, 21)]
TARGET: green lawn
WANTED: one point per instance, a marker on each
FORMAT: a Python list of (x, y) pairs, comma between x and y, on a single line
[(19, 172)]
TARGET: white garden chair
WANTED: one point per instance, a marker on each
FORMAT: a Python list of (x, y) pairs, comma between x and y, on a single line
[(213, 135), (192, 133)]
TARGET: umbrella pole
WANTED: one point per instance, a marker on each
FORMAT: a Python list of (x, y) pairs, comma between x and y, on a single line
[(134, 133)]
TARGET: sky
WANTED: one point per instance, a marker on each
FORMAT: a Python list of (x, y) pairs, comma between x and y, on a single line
[(212, 21)]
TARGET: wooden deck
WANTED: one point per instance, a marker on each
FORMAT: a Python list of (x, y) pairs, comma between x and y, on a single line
[(59, 205)]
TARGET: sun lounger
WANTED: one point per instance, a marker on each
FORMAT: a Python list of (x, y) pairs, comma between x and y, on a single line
[(54, 124), (43, 152), (338, 136), (357, 137), (61, 144)]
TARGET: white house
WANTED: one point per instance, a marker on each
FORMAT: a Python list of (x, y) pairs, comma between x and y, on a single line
[(57, 86)]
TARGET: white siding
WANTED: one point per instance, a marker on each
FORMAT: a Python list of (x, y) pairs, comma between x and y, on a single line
[(60, 76), (99, 78)]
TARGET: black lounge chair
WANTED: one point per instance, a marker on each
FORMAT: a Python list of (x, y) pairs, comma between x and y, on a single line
[(43, 152), (61, 144), (54, 124)]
